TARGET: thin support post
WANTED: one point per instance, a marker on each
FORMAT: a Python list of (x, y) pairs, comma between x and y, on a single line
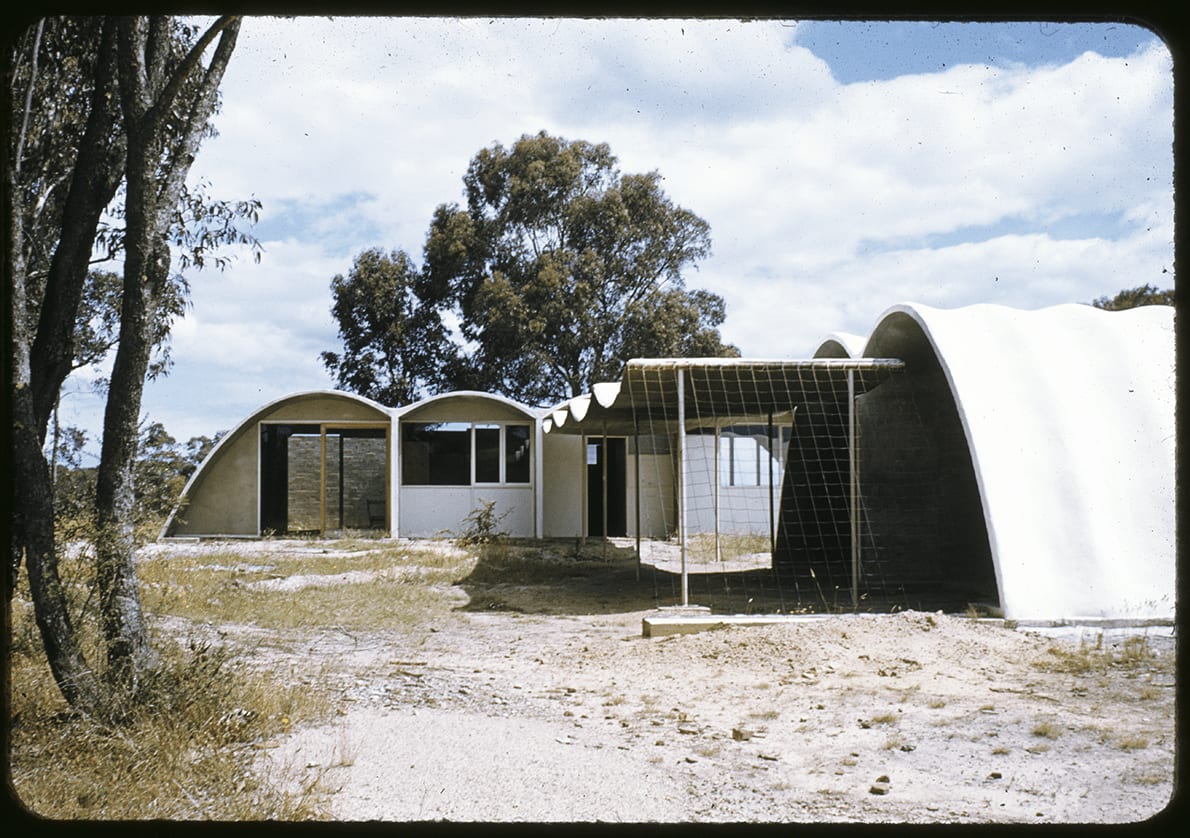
[(682, 483), (322, 481), (585, 504), (603, 487), (772, 506), (715, 484), (636, 469), (854, 486)]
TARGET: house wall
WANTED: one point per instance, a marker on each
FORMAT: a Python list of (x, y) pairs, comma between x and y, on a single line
[(437, 511), (743, 510), (363, 480), (562, 499), (440, 511), (565, 502), (658, 508), (224, 496), (322, 408), (223, 500)]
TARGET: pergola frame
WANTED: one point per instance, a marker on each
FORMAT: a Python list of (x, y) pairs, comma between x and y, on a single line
[(731, 391)]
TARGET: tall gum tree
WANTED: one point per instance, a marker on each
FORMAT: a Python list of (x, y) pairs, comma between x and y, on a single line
[(68, 156), (159, 155), (557, 271), (64, 167), (558, 264)]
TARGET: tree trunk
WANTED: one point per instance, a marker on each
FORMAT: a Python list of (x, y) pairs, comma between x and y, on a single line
[(35, 510), (159, 156), (129, 652), (33, 506), (98, 171)]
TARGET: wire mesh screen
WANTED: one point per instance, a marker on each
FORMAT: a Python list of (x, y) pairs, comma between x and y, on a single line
[(775, 504)]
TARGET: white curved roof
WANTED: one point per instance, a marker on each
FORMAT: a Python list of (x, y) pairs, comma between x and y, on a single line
[(841, 345), (1069, 416), (474, 395)]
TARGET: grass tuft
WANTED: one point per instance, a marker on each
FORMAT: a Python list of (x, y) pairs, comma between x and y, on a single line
[(185, 752), (1046, 729)]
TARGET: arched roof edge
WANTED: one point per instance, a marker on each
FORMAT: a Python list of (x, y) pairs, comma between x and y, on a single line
[(247, 422), (528, 411), (917, 312)]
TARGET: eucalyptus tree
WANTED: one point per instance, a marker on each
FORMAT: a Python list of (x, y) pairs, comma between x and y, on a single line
[(1144, 295), (166, 97), (395, 348), (99, 103), (557, 270)]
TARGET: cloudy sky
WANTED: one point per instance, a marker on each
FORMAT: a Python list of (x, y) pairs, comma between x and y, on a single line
[(842, 167)]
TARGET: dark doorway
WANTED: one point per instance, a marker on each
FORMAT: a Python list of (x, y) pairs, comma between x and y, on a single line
[(275, 456), (315, 478), (617, 496)]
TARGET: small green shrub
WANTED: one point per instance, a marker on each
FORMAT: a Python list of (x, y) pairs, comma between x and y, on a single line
[(481, 527)]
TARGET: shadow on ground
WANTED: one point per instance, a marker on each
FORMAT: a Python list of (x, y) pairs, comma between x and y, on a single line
[(594, 576)]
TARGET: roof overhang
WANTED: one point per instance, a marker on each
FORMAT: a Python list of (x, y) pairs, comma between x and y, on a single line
[(717, 391)]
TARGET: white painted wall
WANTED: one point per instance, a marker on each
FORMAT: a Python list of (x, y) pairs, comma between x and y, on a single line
[(562, 499), (743, 510), (439, 511)]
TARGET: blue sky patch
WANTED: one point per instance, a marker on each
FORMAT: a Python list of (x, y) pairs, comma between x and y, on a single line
[(879, 50), (1102, 225), (337, 221)]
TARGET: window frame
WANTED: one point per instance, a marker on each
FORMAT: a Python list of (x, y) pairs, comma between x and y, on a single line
[(757, 468), (473, 445)]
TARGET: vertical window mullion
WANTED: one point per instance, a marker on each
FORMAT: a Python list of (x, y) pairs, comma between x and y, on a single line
[(502, 447)]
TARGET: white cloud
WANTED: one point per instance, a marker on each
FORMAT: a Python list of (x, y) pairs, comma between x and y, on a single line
[(827, 202)]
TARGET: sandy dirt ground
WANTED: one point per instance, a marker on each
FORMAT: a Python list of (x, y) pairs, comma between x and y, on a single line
[(543, 708)]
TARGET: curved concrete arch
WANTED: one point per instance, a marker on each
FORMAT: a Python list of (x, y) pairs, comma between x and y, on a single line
[(1067, 417), (464, 396), (841, 345), (235, 438)]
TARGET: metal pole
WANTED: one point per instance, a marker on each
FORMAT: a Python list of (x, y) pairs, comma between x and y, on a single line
[(636, 466), (854, 483), (322, 481), (772, 510), (718, 552), (682, 482), (603, 488), (584, 508)]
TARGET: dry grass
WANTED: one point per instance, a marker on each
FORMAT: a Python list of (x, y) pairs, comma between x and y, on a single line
[(188, 749), (1132, 743), (186, 752), (1098, 658), (226, 588), (700, 547), (1046, 729)]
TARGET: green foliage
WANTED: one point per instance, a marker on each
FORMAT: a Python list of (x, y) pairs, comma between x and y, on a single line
[(481, 527), (1144, 295), (557, 271), (394, 346)]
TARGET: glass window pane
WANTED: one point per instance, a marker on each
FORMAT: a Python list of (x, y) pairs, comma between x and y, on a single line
[(516, 454), (487, 453), (437, 454), (744, 461)]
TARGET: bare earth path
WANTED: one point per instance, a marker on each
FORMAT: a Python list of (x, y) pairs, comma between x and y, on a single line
[(520, 715)]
